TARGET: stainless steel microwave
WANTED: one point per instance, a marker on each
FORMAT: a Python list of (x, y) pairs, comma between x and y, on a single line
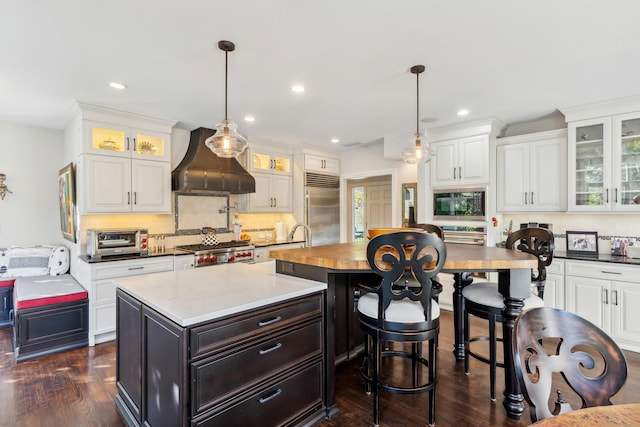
[(460, 203), (102, 243)]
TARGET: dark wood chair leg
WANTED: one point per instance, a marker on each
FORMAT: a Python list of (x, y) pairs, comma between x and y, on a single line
[(492, 356)]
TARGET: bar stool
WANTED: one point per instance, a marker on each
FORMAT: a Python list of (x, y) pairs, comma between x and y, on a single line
[(433, 229), (483, 300), (401, 313)]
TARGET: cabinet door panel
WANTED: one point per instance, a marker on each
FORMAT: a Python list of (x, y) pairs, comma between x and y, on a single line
[(586, 298), (512, 177), (547, 187), (445, 162), (151, 186), (107, 184), (626, 318), (261, 200), (473, 160), (281, 193)]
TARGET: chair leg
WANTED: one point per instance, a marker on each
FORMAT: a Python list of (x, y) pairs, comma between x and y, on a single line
[(433, 345), (376, 356), (492, 356), (366, 361), (465, 328)]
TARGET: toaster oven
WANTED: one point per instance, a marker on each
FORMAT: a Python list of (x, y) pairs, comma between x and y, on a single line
[(102, 243)]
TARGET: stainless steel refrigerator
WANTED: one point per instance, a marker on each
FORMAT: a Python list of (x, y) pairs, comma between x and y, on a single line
[(322, 208)]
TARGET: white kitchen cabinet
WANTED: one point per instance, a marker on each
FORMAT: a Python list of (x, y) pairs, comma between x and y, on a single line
[(322, 164), (531, 173), (109, 184), (122, 141), (261, 254), (183, 262), (460, 162), (554, 285), (604, 160), (273, 194), (98, 279), (607, 295), (267, 161)]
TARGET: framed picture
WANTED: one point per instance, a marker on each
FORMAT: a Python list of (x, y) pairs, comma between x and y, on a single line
[(67, 198), (582, 243)]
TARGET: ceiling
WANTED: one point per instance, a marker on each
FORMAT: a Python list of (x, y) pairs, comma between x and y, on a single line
[(518, 61)]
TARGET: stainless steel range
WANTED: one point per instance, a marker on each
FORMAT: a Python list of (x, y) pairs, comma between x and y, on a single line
[(222, 253)]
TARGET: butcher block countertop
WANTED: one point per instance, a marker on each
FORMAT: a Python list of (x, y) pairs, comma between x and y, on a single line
[(189, 297), (353, 256)]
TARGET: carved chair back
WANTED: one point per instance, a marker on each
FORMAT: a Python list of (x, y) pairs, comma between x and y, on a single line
[(548, 340), (407, 261)]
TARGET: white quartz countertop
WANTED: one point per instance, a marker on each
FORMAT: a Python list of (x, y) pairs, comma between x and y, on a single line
[(189, 297)]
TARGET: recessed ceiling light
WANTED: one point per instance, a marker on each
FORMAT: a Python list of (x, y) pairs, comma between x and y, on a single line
[(249, 119), (297, 88), (118, 85), (463, 112), (335, 140)]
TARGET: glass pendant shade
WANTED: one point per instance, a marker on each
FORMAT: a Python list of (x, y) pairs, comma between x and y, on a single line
[(419, 152), (227, 142)]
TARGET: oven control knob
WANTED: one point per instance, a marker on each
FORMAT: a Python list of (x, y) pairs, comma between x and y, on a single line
[(207, 258), (240, 255), (200, 260), (214, 258), (231, 258), (143, 246)]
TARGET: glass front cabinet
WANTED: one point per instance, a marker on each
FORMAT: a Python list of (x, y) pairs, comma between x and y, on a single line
[(604, 164)]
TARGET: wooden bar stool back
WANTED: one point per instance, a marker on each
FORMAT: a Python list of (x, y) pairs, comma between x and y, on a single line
[(400, 314), (485, 301), (547, 341)]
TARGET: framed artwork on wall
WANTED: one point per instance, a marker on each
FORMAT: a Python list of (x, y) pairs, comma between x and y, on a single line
[(67, 198), (582, 243)]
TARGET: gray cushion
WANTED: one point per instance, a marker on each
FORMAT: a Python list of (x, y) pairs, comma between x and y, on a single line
[(401, 311), (487, 294)]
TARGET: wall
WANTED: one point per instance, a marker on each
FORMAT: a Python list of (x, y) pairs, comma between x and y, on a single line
[(31, 158)]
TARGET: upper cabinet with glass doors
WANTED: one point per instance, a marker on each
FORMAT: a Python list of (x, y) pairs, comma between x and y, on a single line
[(107, 139), (267, 161), (604, 163)]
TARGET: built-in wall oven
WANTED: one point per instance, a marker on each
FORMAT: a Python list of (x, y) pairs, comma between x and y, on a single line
[(468, 204), (465, 234)]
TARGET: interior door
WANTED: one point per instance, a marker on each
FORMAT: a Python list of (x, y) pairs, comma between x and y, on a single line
[(378, 206)]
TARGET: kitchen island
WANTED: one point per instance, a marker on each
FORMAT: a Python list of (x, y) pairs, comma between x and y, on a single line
[(235, 345), (343, 266)]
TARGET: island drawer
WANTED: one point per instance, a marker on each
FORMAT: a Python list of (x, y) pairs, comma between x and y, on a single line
[(251, 325), (280, 404), (216, 378)]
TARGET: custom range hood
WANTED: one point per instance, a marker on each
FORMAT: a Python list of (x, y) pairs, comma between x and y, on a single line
[(201, 170)]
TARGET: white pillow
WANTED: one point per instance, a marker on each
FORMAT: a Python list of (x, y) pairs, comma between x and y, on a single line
[(32, 261), (59, 260)]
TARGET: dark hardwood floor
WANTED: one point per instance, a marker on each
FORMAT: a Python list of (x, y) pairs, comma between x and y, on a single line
[(77, 388)]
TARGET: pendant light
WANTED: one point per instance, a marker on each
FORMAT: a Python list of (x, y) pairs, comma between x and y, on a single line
[(421, 150), (226, 142)]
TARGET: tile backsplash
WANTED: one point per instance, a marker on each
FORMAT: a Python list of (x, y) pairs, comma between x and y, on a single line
[(608, 226)]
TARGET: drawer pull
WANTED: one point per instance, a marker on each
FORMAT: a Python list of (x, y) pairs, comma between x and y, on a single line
[(614, 295), (269, 350), (269, 322), (136, 268), (271, 396), (610, 272)]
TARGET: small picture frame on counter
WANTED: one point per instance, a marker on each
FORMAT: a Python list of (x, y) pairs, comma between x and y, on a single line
[(625, 246), (582, 243)]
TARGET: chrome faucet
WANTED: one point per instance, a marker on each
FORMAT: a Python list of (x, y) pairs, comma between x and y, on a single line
[(307, 234)]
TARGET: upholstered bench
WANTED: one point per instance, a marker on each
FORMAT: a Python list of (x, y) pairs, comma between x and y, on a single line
[(51, 314)]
